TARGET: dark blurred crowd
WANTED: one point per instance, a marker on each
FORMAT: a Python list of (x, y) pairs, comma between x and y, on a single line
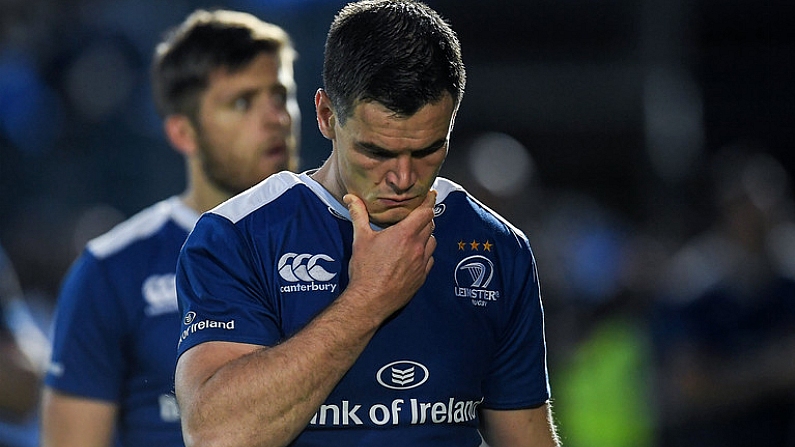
[(676, 331)]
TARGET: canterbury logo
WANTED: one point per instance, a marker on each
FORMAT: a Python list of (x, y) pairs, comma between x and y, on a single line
[(304, 267)]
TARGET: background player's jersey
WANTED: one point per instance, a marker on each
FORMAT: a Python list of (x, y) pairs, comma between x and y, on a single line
[(117, 320), (260, 266)]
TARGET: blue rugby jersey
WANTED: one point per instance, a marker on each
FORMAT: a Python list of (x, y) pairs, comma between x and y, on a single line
[(117, 320), (257, 268)]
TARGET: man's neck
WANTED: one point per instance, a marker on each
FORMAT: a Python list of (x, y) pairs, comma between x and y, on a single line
[(326, 178)]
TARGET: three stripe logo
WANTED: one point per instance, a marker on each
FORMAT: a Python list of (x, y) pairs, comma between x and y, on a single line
[(402, 375)]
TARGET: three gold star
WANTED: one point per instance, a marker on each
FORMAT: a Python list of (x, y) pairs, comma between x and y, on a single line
[(475, 245)]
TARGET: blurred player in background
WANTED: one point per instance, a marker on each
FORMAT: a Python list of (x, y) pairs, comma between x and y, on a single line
[(223, 83)]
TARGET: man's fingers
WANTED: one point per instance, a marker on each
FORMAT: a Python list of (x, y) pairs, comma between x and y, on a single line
[(430, 202), (358, 212), (430, 198), (429, 249)]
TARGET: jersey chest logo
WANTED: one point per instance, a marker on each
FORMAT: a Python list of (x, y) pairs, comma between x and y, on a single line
[(402, 375), (306, 272), (473, 276), (160, 294)]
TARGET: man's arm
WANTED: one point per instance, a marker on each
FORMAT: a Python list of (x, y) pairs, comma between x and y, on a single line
[(71, 421), (236, 394), (243, 395), (19, 381), (532, 427)]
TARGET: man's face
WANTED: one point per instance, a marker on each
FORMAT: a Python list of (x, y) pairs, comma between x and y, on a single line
[(391, 162), (245, 130)]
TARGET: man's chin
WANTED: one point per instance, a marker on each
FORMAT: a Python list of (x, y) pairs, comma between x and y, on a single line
[(389, 217)]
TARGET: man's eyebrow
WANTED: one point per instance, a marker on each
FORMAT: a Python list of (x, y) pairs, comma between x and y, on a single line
[(436, 145)]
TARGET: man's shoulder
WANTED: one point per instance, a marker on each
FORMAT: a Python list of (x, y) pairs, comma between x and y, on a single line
[(144, 225), (460, 202), (258, 196), (466, 210)]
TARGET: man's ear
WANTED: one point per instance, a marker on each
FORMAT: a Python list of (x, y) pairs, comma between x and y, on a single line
[(326, 119), (180, 133)]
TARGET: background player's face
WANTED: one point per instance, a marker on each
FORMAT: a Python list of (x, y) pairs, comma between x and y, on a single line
[(391, 162), (245, 126)]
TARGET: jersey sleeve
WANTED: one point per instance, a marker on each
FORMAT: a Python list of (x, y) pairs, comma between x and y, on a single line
[(221, 288), (518, 377), (88, 334)]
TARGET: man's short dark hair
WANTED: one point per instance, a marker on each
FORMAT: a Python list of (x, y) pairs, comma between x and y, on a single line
[(399, 53), (204, 42)]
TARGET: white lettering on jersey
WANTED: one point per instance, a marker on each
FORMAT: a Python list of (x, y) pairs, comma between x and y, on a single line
[(191, 325), (346, 413)]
